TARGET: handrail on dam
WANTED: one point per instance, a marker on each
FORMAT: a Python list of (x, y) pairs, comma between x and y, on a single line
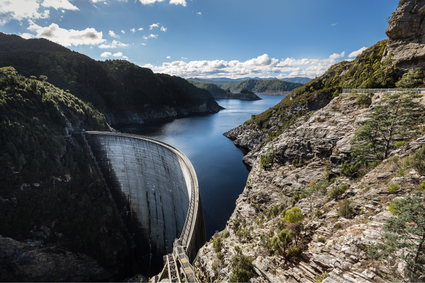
[(192, 235), (381, 90)]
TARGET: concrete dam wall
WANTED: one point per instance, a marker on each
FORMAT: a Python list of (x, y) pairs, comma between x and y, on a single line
[(156, 191)]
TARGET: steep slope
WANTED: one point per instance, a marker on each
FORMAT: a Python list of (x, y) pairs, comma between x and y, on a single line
[(329, 244), (366, 71), (124, 91), (309, 212), (57, 221), (406, 35)]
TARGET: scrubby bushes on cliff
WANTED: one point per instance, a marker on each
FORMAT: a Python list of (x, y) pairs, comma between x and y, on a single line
[(396, 117), (418, 160), (241, 269), (405, 238)]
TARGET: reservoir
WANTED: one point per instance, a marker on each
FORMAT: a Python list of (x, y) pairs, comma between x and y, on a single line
[(217, 161)]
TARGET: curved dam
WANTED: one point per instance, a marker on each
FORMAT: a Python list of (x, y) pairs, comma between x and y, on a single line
[(155, 188)]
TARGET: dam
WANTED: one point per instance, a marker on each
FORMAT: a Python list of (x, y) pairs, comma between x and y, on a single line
[(156, 192)]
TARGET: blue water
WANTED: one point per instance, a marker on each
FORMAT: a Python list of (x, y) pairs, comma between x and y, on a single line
[(218, 163)]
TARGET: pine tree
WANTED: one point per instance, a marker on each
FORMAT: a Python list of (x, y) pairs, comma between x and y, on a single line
[(395, 117), (405, 239)]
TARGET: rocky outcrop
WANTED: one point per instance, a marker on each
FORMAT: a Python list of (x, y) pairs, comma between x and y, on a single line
[(34, 261), (335, 248), (406, 33)]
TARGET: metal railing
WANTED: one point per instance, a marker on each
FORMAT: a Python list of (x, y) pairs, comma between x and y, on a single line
[(381, 90)]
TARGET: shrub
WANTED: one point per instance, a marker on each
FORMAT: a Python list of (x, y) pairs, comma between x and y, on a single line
[(421, 187), (227, 234), (320, 278), (364, 100), (217, 244), (401, 172), (345, 209), (350, 170), (267, 159), (241, 269), (220, 255), (318, 213), (238, 250), (399, 143), (418, 161), (293, 215), (337, 191), (393, 188)]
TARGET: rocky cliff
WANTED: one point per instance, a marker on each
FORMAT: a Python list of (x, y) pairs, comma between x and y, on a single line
[(333, 247), (296, 151), (406, 36)]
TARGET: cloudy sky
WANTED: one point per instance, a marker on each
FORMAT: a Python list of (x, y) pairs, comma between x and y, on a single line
[(207, 38)]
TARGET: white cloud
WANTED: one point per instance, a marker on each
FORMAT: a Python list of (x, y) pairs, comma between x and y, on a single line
[(199, 13), (356, 53), (140, 29), (153, 36), (334, 24), (168, 57), (114, 44), (143, 43), (154, 26), (261, 66), (164, 29), (176, 2), (105, 54), (65, 37), (30, 9), (112, 34), (27, 35), (118, 54), (122, 31), (133, 30), (59, 4)]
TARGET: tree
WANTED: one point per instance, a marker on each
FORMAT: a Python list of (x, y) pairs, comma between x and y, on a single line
[(241, 269), (405, 238), (293, 215), (281, 242), (413, 78), (394, 118)]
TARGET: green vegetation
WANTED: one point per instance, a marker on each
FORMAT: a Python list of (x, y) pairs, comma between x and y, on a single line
[(418, 160), (241, 269), (320, 278), (393, 188), (217, 244), (261, 85), (345, 210), (280, 243), (406, 230), (350, 170), (110, 86), (293, 215), (338, 191), (267, 159), (364, 99), (366, 71), (46, 178), (413, 78), (394, 118)]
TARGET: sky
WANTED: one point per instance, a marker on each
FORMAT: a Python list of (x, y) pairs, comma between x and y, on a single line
[(207, 38)]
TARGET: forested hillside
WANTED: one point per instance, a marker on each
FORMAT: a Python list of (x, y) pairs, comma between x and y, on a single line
[(110, 86), (264, 86), (50, 195)]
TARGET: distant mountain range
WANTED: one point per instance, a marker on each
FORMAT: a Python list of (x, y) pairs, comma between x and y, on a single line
[(223, 81), (258, 85)]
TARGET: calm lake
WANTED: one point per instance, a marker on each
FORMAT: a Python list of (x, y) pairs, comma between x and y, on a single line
[(218, 163)]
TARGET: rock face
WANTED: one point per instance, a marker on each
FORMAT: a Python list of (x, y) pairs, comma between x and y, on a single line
[(406, 33), (26, 261), (334, 246)]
